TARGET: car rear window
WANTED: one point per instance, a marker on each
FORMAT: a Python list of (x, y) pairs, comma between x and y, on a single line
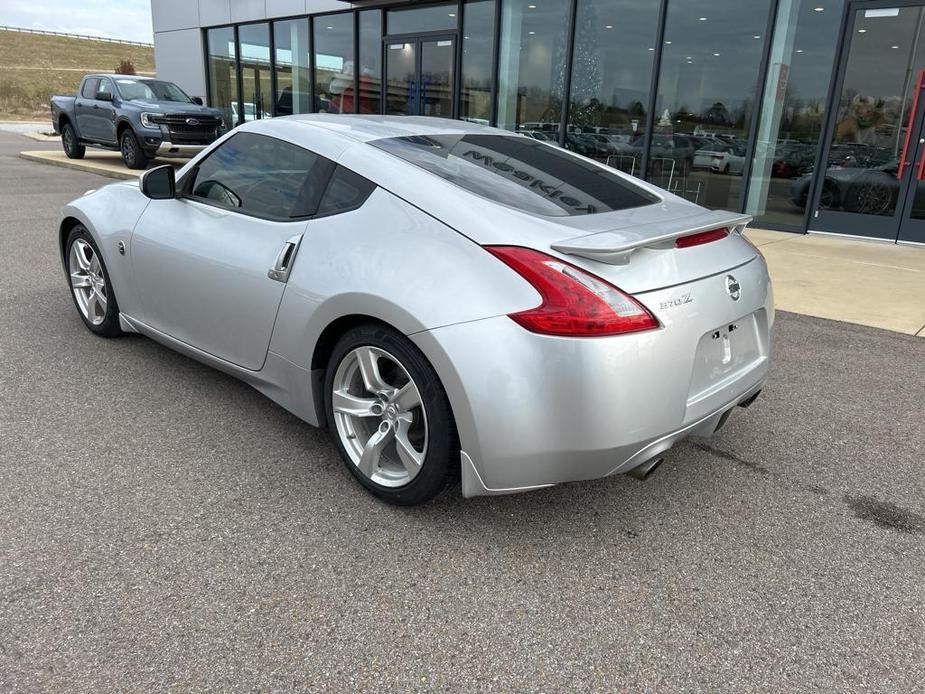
[(520, 172)]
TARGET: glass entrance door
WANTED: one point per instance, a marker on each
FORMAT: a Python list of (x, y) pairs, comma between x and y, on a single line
[(420, 76), (868, 181)]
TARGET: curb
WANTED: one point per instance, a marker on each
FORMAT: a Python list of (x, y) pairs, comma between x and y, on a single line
[(77, 165)]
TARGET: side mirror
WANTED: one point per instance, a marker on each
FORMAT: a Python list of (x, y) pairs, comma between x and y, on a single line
[(197, 100), (159, 183), (104, 96)]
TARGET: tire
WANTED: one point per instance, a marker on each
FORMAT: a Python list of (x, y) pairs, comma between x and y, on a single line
[(72, 147), (94, 298), (870, 195), (132, 153), (391, 473)]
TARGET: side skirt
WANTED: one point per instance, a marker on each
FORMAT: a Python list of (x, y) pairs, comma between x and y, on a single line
[(285, 383)]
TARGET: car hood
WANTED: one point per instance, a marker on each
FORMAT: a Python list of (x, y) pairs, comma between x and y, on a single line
[(172, 107)]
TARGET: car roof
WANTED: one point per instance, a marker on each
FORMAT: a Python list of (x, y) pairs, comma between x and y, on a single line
[(140, 78), (363, 128)]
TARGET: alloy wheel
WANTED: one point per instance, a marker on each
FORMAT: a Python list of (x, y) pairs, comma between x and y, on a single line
[(128, 150), (88, 282), (379, 416), (68, 141)]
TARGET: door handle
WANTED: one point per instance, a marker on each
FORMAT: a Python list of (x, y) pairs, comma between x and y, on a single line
[(920, 167), (904, 157), (285, 259)]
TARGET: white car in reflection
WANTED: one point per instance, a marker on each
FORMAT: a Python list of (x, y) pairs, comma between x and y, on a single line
[(721, 158)]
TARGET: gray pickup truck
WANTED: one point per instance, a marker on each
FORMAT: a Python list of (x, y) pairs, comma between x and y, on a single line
[(140, 117)]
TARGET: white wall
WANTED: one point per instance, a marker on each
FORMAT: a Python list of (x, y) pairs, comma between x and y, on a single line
[(178, 58)]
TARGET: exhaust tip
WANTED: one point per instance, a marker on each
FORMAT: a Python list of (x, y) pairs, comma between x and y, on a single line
[(642, 472), (750, 399)]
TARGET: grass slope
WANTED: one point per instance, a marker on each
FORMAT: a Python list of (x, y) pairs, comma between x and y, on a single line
[(35, 66)]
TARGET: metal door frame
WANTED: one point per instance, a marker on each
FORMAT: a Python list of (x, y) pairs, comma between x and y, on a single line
[(853, 223), (418, 40)]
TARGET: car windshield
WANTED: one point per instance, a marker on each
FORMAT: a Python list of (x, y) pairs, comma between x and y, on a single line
[(151, 90), (520, 172)]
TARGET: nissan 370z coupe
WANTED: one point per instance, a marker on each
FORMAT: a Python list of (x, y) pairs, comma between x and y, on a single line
[(450, 300)]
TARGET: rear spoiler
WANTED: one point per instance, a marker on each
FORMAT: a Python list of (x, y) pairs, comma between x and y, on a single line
[(616, 247)]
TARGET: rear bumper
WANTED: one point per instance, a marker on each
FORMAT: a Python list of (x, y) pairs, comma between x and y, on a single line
[(533, 411), (474, 485)]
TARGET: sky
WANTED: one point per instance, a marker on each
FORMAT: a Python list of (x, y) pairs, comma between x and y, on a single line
[(117, 19)]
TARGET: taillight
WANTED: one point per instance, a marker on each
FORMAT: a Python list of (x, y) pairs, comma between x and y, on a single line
[(575, 303), (701, 237)]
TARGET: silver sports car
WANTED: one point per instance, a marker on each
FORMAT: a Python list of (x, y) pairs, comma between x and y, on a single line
[(450, 300)]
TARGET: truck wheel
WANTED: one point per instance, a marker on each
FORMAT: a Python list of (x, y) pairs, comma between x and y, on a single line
[(132, 153), (72, 147)]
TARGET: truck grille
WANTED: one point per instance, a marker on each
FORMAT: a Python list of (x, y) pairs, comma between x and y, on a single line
[(203, 130)]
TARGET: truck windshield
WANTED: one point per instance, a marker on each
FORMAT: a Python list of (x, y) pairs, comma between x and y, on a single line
[(150, 90), (520, 172)]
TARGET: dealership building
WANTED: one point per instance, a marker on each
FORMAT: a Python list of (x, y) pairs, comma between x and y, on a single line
[(803, 113)]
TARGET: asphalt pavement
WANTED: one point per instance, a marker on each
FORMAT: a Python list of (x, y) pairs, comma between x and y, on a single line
[(165, 527)]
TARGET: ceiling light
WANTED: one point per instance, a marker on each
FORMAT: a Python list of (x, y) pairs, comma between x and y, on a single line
[(862, 31), (330, 27), (818, 9), (799, 50), (452, 15), (688, 58), (531, 7), (756, 36), (894, 46), (609, 26), (716, 54), (531, 33), (652, 49), (702, 19), (667, 43)]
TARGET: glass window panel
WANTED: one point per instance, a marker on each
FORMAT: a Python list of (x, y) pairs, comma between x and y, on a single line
[(235, 175), (420, 19), (401, 79), (532, 59), (519, 172), (223, 74), (478, 45), (334, 63), (346, 191), (706, 93), (293, 74), (611, 78), (370, 45), (254, 42)]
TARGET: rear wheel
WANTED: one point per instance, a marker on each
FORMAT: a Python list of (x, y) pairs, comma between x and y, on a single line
[(90, 285), (72, 147), (132, 153), (390, 417)]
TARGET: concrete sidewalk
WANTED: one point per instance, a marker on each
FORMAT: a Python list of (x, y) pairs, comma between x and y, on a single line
[(865, 282), (98, 161)]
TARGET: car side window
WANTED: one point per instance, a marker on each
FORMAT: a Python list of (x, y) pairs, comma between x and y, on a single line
[(346, 191), (104, 88), (90, 88), (261, 176)]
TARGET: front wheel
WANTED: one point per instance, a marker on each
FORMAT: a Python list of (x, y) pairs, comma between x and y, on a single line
[(91, 288), (72, 147), (132, 153), (390, 417)]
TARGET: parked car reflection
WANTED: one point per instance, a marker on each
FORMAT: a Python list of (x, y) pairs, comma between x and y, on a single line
[(853, 188)]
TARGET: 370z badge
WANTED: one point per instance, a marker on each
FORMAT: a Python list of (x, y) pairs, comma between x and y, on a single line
[(676, 301)]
